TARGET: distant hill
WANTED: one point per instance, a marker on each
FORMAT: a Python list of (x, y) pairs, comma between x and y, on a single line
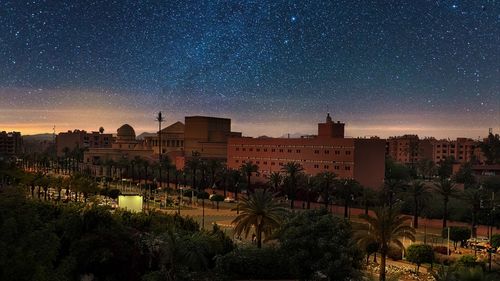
[(145, 134), (38, 137)]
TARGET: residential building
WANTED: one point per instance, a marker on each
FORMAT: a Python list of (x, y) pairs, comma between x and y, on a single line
[(350, 158), (408, 149), (11, 143), (71, 140)]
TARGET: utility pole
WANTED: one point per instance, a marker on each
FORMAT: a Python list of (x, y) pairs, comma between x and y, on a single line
[(160, 119)]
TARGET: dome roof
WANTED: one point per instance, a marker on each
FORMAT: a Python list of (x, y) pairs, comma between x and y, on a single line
[(125, 133)]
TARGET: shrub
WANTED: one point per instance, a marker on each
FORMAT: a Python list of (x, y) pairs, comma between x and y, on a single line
[(443, 250), (419, 254), (395, 253), (469, 261), (253, 263), (495, 240), (457, 234)]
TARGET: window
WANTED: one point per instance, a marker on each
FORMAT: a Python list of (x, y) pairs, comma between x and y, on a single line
[(289, 151), (265, 162), (348, 152), (337, 167), (298, 150), (244, 149), (316, 166), (265, 149), (250, 149), (272, 163), (257, 162), (327, 151), (316, 152), (237, 161), (326, 167), (258, 150), (237, 149), (281, 150), (347, 168), (281, 164), (273, 150)]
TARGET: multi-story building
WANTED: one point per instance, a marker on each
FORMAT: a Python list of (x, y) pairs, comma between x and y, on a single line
[(355, 158), (11, 143), (408, 149), (70, 140), (462, 150)]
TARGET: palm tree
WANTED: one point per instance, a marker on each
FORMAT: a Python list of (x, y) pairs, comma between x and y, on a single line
[(194, 164), (368, 198), (259, 211), (213, 167), (248, 169), (159, 119), (385, 228), (473, 197), (166, 163), (418, 192), (391, 188), (275, 179), (348, 190), (446, 189), (324, 185), (234, 181), (292, 170)]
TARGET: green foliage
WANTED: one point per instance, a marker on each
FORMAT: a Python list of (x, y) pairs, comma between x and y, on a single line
[(316, 242), (491, 148), (203, 195), (467, 261), (254, 263), (495, 240), (445, 169), (419, 254), (396, 171), (395, 253), (217, 198), (457, 234), (465, 175)]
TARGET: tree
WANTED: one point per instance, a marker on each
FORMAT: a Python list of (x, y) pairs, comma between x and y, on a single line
[(292, 170), (248, 169), (261, 212), (217, 198), (446, 189), (166, 164), (317, 243), (426, 168), (445, 169), (203, 195), (347, 190), (275, 179), (213, 166), (457, 234), (473, 198), (193, 164), (491, 148), (324, 183), (419, 254), (385, 228), (465, 175), (419, 192)]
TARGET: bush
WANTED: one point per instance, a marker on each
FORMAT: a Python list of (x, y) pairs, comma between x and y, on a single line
[(395, 253), (253, 263), (469, 261), (457, 234), (419, 254), (495, 240), (441, 250)]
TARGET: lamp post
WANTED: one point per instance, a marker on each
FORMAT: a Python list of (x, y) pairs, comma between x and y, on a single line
[(160, 119)]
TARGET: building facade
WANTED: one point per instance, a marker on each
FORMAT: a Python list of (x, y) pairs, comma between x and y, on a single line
[(350, 158), (408, 149), (172, 139), (71, 140), (11, 143)]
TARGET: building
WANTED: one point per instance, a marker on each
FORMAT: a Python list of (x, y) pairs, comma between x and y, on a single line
[(408, 149), (11, 143), (71, 140), (172, 139), (125, 149), (463, 150), (353, 158)]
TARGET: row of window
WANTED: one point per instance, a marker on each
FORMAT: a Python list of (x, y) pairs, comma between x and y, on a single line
[(337, 152), (316, 166)]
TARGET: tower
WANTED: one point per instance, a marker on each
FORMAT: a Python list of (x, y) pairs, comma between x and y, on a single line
[(331, 129)]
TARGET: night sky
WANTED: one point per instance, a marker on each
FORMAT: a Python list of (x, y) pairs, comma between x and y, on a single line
[(273, 67)]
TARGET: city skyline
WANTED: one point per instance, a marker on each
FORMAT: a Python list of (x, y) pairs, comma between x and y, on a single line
[(388, 69)]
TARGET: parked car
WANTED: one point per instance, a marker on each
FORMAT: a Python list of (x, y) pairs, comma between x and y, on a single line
[(229, 200), (478, 242)]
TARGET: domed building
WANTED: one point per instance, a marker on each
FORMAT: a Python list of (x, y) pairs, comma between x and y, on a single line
[(125, 133)]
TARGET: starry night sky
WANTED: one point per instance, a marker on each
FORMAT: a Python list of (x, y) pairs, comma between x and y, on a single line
[(274, 67)]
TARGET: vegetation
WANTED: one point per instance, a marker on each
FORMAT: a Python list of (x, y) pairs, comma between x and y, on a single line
[(419, 254), (260, 212), (385, 228), (457, 234)]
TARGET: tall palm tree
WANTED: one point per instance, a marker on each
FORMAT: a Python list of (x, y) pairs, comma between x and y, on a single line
[(385, 228), (391, 188), (214, 166), (473, 197), (347, 190), (324, 182), (292, 170), (159, 119), (261, 212), (418, 191), (446, 189), (275, 179), (194, 164), (248, 169), (166, 164)]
